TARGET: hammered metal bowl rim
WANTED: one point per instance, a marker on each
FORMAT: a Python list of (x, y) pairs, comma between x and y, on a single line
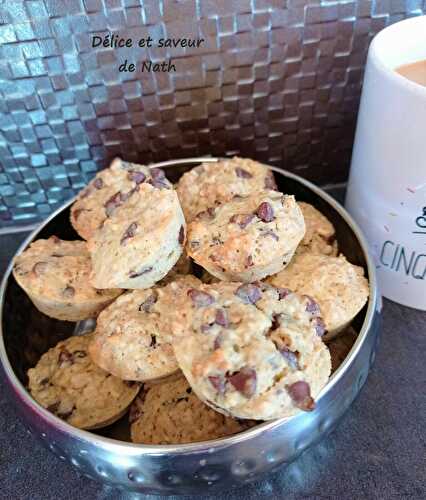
[(157, 450)]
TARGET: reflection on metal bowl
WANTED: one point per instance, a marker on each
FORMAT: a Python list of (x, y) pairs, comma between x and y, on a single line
[(193, 468)]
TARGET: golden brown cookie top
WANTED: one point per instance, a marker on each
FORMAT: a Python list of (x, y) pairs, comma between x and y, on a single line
[(133, 337), (338, 286), (242, 238), (171, 413), (59, 271), (212, 183), (109, 189), (141, 240), (320, 235), (67, 383), (255, 351)]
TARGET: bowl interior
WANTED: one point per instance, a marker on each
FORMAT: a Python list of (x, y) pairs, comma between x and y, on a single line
[(28, 333)]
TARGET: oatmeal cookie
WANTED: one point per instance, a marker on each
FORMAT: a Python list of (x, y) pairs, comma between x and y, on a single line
[(67, 383), (338, 286), (140, 242), (170, 413), (107, 191), (55, 275), (255, 350), (247, 238), (133, 337), (320, 235), (210, 184)]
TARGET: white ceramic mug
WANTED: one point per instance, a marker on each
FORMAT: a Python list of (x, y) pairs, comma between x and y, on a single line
[(387, 185)]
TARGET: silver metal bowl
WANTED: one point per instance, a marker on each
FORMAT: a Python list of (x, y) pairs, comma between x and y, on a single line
[(105, 455)]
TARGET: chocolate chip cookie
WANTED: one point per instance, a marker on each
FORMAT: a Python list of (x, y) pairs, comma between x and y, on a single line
[(140, 242), (255, 350), (320, 235), (338, 286), (133, 337), (55, 275), (248, 237), (67, 383), (170, 413), (212, 183), (109, 189)]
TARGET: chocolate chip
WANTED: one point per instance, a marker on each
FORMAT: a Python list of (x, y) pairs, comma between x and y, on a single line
[(112, 203), (270, 181), (312, 306), (265, 212), (135, 176), (199, 298), (68, 292), (319, 326), (206, 214), (194, 244), (134, 274), (158, 184), (148, 303), (290, 357), (158, 179), (270, 233), (276, 321), (65, 357), (221, 318), (248, 293), (205, 328), (44, 381), (124, 197), (157, 173), (218, 383), (243, 174), (249, 261), (98, 183), (244, 381), (300, 393), (218, 341), (181, 237), (40, 267), (283, 292), (243, 220), (153, 341), (130, 232)]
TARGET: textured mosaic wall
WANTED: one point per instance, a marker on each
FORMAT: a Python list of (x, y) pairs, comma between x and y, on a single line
[(278, 80)]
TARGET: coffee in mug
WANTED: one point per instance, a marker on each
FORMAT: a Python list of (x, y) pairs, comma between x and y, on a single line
[(416, 72)]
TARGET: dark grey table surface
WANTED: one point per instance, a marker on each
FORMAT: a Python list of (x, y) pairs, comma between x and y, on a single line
[(378, 451)]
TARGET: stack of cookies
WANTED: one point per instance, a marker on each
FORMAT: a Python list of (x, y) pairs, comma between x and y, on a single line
[(213, 300)]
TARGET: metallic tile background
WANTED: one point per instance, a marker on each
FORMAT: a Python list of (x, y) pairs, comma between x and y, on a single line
[(278, 80)]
